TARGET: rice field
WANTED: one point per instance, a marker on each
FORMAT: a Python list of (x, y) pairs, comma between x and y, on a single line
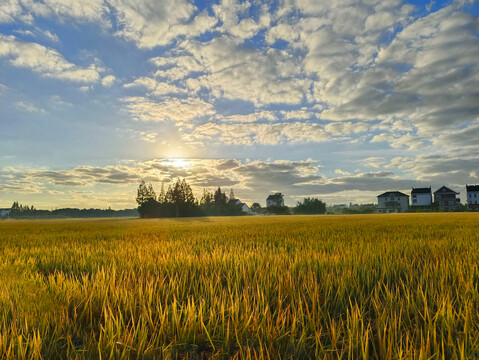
[(319, 287)]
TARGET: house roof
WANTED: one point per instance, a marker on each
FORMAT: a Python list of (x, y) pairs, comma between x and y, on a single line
[(392, 194), (5, 209), (445, 190), (274, 197), (421, 190), (472, 188)]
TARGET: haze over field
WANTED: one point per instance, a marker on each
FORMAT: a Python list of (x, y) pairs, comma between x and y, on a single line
[(339, 99)]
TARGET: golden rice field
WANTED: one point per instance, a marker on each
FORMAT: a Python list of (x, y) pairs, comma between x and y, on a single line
[(318, 287)]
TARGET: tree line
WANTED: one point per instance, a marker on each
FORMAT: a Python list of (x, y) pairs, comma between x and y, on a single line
[(178, 201), (19, 211)]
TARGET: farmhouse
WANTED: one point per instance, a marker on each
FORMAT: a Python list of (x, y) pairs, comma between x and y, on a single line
[(393, 202), (245, 208), (4, 213), (275, 200), (472, 197), (421, 197), (446, 199)]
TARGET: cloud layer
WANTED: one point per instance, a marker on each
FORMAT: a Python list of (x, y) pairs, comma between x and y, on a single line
[(383, 93)]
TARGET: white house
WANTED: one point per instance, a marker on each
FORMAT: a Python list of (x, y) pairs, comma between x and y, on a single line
[(393, 202), (4, 213), (245, 208), (275, 200), (472, 197), (421, 197)]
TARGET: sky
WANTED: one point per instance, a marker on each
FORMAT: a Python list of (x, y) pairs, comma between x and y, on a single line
[(340, 100)]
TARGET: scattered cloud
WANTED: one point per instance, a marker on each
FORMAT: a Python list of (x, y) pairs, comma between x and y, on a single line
[(28, 107), (44, 61), (108, 80), (173, 109)]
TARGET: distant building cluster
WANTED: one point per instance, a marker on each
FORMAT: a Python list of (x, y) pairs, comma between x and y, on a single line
[(445, 199)]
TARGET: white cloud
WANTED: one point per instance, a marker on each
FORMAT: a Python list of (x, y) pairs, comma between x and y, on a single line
[(45, 61), (108, 80), (84, 10), (173, 109), (28, 107), (341, 172), (236, 72), (9, 10), (155, 87), (262, 133), (152, 23)]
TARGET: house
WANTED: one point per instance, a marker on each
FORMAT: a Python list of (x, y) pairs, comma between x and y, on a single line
[(275, 200), (245, 208), (393, 202), (472, 197), (5, 213), (446, 199), (421, 197)]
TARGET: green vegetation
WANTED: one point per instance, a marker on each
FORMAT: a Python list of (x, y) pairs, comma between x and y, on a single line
[(328, 287), (310, 206)]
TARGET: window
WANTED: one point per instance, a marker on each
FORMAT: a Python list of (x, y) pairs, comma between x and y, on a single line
[(475, 194), (414, 200)]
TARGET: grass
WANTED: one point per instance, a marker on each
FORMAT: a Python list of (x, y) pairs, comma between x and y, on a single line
[(325, 287)]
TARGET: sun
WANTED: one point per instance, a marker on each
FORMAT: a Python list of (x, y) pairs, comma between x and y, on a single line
[(179, 163)]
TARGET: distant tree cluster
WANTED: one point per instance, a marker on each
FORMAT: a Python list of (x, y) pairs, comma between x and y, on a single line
[(310, 206), (20, 211), (360, 209), (178, 201)]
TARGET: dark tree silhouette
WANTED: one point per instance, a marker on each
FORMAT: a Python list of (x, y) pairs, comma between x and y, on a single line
[(310, 206)]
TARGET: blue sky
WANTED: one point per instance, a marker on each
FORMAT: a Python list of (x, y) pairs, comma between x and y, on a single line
[(340, 100)]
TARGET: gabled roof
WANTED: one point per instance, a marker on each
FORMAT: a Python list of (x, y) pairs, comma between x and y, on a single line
[(392, 194), (421, 190), (472, 188), (445, 190)]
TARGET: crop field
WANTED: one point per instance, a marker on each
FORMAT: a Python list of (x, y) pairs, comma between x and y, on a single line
[(321, 287)]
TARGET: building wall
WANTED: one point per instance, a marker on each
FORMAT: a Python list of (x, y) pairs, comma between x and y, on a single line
[(421, 199), (473, 199), (402, 200), (446, 201), (274, 203)]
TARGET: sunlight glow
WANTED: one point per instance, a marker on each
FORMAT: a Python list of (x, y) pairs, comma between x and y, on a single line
[(179, 163)]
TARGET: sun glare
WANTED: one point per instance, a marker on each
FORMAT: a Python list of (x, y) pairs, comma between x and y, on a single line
[(179, 163)]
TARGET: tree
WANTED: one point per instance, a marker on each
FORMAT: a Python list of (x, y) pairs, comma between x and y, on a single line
[(220, 198), (255, 206), (232, 195), (182, 198), (207, 198), (146, 199), (145, 193), (310, 206), (162, 196)]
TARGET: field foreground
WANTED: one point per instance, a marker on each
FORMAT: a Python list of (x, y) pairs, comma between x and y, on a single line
[(332, 287)]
